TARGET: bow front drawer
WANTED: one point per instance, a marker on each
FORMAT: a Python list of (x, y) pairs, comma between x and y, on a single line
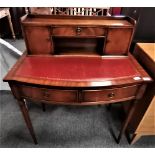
[(110, 95), (53, 95), (83, 97)]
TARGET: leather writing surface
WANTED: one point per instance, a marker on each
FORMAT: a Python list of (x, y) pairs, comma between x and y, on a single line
[(76, 68)]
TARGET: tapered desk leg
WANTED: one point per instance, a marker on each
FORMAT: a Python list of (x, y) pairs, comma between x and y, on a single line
[(27, 119), (109, 106), (124, 126), (43, 106)]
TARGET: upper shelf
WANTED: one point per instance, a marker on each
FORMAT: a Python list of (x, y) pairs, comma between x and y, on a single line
[(77, 20)]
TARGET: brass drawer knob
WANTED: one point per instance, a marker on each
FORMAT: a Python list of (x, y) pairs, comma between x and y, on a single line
[(111, 95), (78, 30)]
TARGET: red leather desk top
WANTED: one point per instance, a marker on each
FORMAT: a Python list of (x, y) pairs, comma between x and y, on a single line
[(75, 68)]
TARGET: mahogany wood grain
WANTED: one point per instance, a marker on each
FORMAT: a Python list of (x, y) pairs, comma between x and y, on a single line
[(27, 119), (118, 32), (77, 31), (118, 40), (87, 97), (78, 45), (85, 71), (83, 96), (79, 20), (44, 94), (38, 40), (110, 94), (24, 110), (44, 76)]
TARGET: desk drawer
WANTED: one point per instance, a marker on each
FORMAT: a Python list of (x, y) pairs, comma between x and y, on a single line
[(53, 95), (71, 96), (110, 95), (78, 31), (63, 31)]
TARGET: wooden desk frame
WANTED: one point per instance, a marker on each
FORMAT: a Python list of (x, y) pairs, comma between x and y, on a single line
[(81, 92)]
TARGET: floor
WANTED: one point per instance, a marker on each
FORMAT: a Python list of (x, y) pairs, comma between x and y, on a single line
[(62, 126)]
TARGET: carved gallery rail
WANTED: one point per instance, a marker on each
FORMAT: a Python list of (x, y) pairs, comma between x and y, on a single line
[(77, 61)]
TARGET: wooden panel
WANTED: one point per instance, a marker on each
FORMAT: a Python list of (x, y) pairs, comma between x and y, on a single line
[(78, 20), (31, 92), (145, 54), (77, 30), (53, 95), (109, 94), (65, 96), (78, 45), (151, 109), (38, 40), (63, 31), (70, 96), (148, 49), (90, 31), (147, 124), (118, 41)]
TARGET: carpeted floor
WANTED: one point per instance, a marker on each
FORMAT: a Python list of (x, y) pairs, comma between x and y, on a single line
[(62, 126)]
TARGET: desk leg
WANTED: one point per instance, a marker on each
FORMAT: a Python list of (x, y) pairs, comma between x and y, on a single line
[(131, 110), (124, 126), (43, 106), (109, 106), (27, 119)]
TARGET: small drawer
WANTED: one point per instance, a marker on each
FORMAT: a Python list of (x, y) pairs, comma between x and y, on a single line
[(60, 96), (78, 31), (53, 95), (63, 31), (31, 92), (110, 95), (90, 31)]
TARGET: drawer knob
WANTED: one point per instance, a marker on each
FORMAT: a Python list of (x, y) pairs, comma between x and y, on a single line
[(111, 95), (78, 30)]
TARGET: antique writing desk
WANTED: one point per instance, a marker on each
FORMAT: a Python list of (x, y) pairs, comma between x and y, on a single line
[(77, 61)]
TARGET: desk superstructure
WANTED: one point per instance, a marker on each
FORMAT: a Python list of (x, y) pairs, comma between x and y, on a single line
[(77, 60)]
